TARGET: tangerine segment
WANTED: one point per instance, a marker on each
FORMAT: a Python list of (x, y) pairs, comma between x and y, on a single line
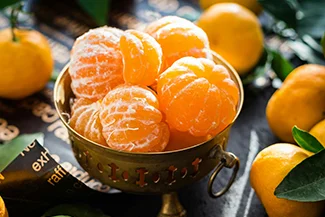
[(85, 120), (142, 57), (96, 64), (178, 38), (197, 96), (131, 120), (180, 140)]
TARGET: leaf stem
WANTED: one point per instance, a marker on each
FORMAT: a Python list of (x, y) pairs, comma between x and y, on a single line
[(16, 9)]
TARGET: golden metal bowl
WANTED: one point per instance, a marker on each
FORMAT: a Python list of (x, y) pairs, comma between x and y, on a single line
[(151, 173)]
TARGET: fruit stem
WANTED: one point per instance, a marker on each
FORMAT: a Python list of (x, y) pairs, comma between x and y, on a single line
[(16, 9)]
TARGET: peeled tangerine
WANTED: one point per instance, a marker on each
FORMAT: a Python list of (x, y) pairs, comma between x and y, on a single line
[(197, 96), (85, 120), (179, 38), (142, 58), (131, 120), (96, 64)]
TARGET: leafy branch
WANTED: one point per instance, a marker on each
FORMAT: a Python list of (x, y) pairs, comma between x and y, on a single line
[(97, 9), (15, 10), (302, 25), (305, 182)]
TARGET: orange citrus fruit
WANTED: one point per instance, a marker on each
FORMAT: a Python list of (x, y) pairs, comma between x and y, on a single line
[(197, 96), (132, 121), (178, 38), (96, 64), (252, 5), (26, 64), (300, 101), (85, 120), (318, 131), (268, 170), (142, 57), (235, 33), (3, 210)]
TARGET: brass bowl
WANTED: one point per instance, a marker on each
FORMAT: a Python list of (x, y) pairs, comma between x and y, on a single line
[(151, 173)]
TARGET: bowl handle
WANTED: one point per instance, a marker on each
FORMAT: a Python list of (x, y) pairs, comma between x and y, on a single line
[(228, 160)]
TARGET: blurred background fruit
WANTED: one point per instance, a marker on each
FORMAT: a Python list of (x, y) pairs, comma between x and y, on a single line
[(3, 210), (269, 168), (26, 63), (318, 131), (252, 5), (235, 33), (300, 101)]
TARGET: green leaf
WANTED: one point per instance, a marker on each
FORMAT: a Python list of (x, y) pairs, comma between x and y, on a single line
[(97, 9), (323, 44), (10, 150), (6, 3), (281, 66), (304, 52), (312, 20), (284, 10), (311, 42), (305, 182), (75, 210), (54, 75), (306, 141), (307, 17)]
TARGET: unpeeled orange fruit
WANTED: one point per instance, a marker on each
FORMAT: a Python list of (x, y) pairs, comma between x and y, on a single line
[(197, 96), (318, 131), (268, 170), (3, 210), (178, 38), (142, 57), (132, 121), (235, 33), (96, 64), (26, 65), (252, 5), (300, 101), (85, 120)]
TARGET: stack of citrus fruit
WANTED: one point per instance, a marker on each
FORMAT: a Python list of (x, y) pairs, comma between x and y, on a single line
[(299, 101), (149, 91)]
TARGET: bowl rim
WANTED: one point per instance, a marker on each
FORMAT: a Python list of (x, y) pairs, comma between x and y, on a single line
[(235, 76)]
